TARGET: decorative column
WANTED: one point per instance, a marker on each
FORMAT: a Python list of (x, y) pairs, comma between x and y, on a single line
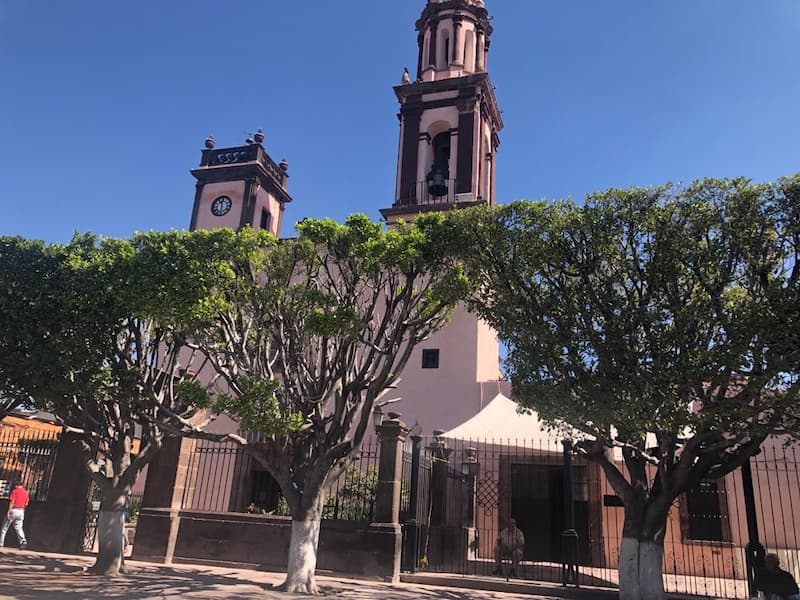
[(466, 140), (432, 44), (458, 51), (409, 153), (421, 43), (479, 49), (569, 537)]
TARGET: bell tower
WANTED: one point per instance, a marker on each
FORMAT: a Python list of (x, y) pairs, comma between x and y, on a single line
[(239, 187), (449, 124), (449, 118)]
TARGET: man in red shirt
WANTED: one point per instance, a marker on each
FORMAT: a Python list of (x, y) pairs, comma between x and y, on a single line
[(17, 501)]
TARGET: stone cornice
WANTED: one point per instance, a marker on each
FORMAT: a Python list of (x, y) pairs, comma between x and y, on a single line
[(432, 11), (410, 95)]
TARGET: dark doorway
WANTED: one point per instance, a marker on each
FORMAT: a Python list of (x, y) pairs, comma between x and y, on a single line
[(537, 504)]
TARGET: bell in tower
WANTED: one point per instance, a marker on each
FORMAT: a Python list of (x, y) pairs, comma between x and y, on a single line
[(449, 118), (439, 174)]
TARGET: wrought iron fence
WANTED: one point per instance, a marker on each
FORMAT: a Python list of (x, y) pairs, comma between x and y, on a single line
[(27, 457), (475, 486), (223, 477)]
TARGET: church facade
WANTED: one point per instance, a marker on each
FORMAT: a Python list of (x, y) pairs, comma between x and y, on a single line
[(449, 136)]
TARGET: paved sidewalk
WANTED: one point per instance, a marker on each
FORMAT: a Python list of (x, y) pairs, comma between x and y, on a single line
[(36, 576)]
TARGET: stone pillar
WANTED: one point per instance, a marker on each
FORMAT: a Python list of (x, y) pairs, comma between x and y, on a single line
[(390, 471), (58, 524), (385, 536), (159, 519)]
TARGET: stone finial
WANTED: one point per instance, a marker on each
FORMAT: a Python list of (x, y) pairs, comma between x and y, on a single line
[(210, 142), (259, 136), (283, 165)]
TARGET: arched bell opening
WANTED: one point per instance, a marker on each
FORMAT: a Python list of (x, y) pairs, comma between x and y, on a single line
[(438, 176)]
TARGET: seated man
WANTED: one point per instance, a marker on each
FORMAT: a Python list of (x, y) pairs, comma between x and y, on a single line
[(510, 543), (774, 581)]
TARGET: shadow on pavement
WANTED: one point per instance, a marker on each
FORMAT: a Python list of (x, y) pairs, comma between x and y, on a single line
[(29, 576)]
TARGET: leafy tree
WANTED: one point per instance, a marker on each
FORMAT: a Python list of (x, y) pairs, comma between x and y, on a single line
[(30, 284), (93, 332), (307, 336), (662, 322)]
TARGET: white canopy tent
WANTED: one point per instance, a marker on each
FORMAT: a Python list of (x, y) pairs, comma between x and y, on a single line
[(500, 423)]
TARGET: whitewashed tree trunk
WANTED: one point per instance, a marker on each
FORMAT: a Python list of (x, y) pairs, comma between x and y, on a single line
[(303, 557), (640, 564), (110, 560)]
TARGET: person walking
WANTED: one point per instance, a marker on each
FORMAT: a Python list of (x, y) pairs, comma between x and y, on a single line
[(17, 501)]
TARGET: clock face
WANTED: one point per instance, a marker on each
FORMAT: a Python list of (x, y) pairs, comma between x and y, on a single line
[(220, 206)]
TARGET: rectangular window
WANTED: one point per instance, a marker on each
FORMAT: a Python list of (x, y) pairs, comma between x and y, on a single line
[(265, 219), (705, 513), (430, 358)]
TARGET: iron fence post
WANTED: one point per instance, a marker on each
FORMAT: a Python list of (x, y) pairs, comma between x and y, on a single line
[(569, 537), (411, 526), (754, 552)]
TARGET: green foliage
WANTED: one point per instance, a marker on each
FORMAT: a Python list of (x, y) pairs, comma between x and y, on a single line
[(308, 332), (354, 499), (623, 316), (257, 408)]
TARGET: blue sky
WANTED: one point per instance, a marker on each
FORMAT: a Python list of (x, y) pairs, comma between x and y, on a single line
[(105, 104)]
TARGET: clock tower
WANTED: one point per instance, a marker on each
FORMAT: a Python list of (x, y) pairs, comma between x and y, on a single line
[(239, 187)]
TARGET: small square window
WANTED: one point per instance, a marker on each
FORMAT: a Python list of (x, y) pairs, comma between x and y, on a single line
[(430, 358)]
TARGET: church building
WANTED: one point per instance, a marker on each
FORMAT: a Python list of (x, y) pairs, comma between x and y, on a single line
[(449, 126)]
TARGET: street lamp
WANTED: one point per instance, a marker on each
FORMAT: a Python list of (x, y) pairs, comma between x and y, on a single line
[(469, 470), (470, 465), (377, 416)]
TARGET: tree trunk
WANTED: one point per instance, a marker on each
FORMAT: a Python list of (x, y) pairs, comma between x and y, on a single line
[(110, 524), (641, 554), (640, 575), (109, 537), (303, 556)]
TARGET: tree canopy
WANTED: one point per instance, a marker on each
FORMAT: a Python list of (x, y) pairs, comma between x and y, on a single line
[(308, 334), (661, 321), (94, 332)]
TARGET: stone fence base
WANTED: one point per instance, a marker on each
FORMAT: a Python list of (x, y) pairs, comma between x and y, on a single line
[(345, 547)]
